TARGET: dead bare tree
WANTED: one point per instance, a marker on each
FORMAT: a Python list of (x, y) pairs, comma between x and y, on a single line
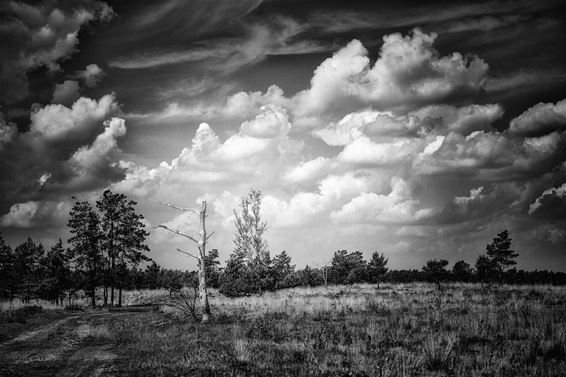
[(200, 257)]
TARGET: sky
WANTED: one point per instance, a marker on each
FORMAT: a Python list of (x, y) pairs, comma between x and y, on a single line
[(419, 129)]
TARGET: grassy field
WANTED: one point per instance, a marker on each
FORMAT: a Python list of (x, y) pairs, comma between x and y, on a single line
[(400, 330)]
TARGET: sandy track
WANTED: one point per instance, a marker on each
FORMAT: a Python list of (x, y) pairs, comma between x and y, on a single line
[(78, 345)]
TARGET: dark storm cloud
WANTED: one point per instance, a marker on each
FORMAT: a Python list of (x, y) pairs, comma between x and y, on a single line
[(40, 36), (66, 150)]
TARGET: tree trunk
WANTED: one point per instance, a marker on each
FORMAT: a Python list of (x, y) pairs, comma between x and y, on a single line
[(202, 292), (202, 289), (120, 296), (93, 296), (105, 291), (112, 279)]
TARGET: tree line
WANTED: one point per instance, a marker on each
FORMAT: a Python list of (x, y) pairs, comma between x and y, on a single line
[(107, 251), (107, 244), (251, 270)]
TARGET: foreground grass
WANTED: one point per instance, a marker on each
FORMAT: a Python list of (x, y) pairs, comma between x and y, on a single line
[(406, 330), (401, 330)]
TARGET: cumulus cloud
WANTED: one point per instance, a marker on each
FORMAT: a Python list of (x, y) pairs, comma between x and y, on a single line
[(398, 206), (66, 149), (463, 120), (333, 190), (551, 204), (43, 35), (491, 155), (90, 159), (257, 151), (540, 119), (91, 75), (66, 93), (408, 72), (272, 121), (36, 214), (364, 151), (308, 171), (57, 128)]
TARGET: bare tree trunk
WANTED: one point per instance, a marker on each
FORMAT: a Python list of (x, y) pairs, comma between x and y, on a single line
[(120, 296), (202, 289), (201, 257)]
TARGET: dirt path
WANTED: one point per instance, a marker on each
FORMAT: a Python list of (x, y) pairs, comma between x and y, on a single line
[(78, 345)]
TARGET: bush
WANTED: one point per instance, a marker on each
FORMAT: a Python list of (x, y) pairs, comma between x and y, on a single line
[(20, 315)]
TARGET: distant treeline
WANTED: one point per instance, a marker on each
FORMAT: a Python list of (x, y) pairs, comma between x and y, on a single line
[(29, 271), (107, 249)]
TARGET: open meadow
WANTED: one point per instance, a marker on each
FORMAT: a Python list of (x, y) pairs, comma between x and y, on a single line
[(360, 330)]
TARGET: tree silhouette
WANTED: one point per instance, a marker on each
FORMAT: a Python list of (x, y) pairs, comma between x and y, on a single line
[(84, 225), (376, 268), (435, 270), (500, 253), (461, 271)]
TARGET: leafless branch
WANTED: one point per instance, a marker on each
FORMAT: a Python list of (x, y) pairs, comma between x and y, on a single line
[(184, 209), (210, 235), (189, 254), (177, 232)]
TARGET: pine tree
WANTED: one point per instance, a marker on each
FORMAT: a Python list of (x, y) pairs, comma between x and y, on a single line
[(283, 270), (7, 272), (57, 274), (213, 270), (124, 235), (500, 253), (86, 253), (485, 270), (376, 268), (27, 268)]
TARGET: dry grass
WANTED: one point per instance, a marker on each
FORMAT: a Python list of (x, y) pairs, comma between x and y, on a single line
[(401, 330), (397, 330)]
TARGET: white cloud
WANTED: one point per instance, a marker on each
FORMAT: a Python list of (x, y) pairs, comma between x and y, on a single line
[(540, 119), (308, 171), (408, 72), (95, 156), (20, 215), (239, 159), (475, 193), (272, 121), (363, 151), (91, 75), (36, 214), (551, 203), (463, 120), (57, 122), (369, 123), (44, 178), (273, 36), (396, 207), (491, 155)]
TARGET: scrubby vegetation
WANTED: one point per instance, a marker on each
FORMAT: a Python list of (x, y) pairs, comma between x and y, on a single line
[(400, 330), (355, 330)]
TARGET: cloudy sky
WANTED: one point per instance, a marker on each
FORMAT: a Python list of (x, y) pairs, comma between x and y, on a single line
[(419, 129)]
